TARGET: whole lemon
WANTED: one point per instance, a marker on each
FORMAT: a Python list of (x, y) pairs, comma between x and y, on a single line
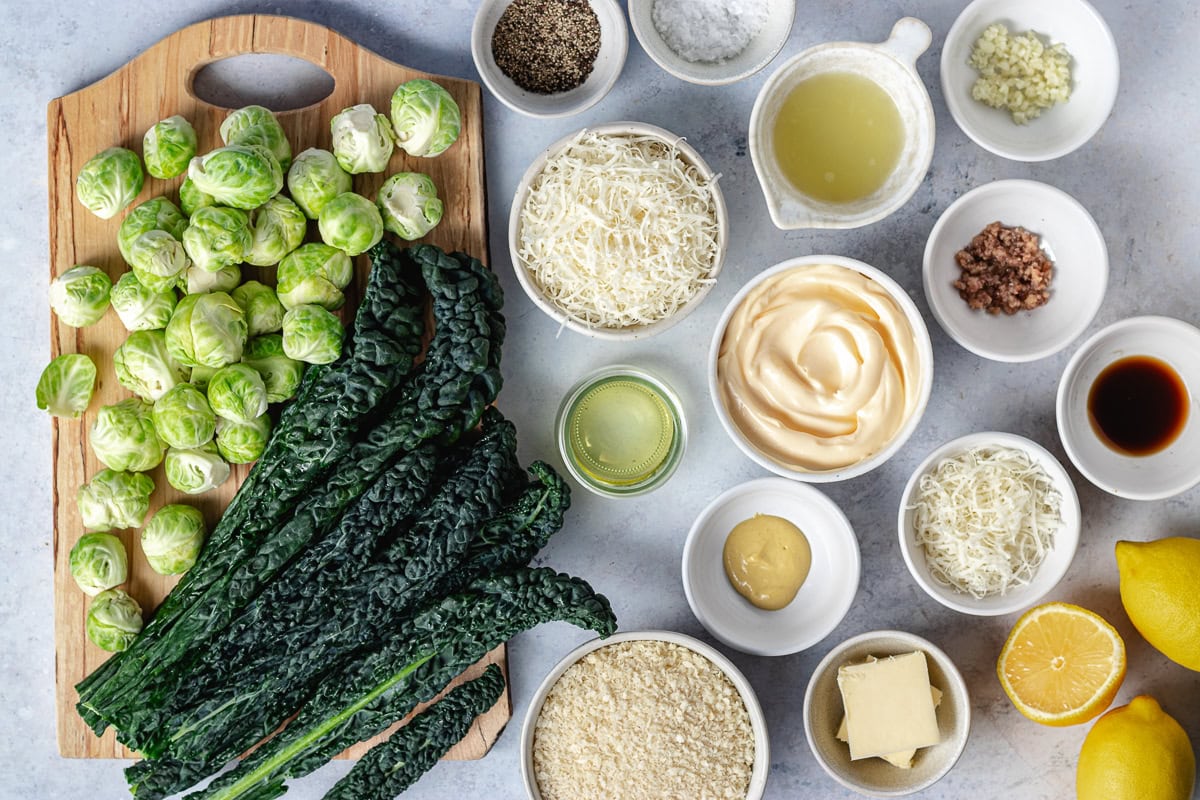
[(1136, 752), (1159, 583)]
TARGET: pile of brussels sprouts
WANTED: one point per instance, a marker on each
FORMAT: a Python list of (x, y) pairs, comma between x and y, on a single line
[(206, 352)]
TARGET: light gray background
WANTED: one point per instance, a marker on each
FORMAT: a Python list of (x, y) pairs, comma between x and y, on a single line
[(1137, 176)]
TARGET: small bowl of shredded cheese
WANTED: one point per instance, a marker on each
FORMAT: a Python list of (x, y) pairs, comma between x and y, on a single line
[(618, 231), (989, 523)]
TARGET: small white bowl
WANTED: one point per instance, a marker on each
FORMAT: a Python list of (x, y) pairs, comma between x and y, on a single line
[(535, 293), (1052, 569), (823, 711), (921, 341), (1069, 237), (758, 53), (614, 45), (1152, 477), (758, 723), (823, 599), (1061, 129)]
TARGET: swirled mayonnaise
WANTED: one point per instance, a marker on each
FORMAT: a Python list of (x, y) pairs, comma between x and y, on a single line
[(819, 368)]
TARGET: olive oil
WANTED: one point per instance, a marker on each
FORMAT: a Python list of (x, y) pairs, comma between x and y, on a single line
[(838, 137)]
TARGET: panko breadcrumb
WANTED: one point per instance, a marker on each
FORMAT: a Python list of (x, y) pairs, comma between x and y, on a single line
[(1019, 73)]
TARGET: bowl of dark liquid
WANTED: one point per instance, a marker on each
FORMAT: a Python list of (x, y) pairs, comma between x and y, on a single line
[(1127, 408)]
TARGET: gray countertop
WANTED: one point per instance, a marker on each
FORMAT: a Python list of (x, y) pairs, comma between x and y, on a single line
[(1137, 177)]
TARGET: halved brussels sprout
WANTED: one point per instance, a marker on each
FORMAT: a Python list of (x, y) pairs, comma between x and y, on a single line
[(264, 312), (199, 281), (201, 376), (281, 375), (172, 539), (314, 274), (192, 199), (156, 214), (314, 179), (351, 223), (109, 181), (409, 205), (145, 366), (98, 561), (114, 620), (66, 385), (168, 147), (278, 227), (243, 442), (139, 308), (158, 260), (183, 418), (196, 469), (240, 176), (237, 393), (425, 118), (217, 237), (114, 499), (206, 330), (362, 139), (80, 295), (124, 439), (312, 335), (255, 125)]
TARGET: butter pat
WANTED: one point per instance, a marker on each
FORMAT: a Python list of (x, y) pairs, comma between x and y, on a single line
[(904, 758), (889, 708)]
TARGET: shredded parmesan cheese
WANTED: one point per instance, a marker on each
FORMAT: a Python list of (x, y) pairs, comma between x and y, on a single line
[(986, 520), (619, 231)]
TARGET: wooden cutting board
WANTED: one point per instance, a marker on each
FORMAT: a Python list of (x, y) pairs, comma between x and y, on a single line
[(117, 111)]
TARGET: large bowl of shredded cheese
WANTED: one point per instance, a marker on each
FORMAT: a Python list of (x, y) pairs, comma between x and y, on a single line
[(618, 231)]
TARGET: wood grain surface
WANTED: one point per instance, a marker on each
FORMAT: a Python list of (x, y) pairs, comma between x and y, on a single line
[(118, 110)]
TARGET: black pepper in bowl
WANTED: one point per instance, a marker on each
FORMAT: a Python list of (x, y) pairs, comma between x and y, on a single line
[(547, 46)]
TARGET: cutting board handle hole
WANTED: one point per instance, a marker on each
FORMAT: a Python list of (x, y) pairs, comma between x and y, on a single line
[(279, 82)]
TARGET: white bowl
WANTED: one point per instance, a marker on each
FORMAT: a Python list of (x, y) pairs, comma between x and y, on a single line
[(823, 599), (758, 53), (1069, 236), (921, 340), (1052, 569), (614, 45), (690, 156), (1153, 477), (1095, 76), (823, 711), (758, 723)]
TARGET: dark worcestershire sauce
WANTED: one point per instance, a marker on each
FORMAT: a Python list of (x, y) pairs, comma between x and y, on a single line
[(1138, 405)]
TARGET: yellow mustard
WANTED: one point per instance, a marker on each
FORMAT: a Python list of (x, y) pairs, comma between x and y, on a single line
[(767, 560)]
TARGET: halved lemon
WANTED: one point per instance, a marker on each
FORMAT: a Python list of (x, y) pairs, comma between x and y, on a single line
[(1062, 664)]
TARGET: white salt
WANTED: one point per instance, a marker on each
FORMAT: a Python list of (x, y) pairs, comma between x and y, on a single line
[(708, 30)]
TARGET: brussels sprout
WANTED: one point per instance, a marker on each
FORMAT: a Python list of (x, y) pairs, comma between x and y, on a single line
[(217, 237), (114, 620), (156, 214), (65, 387), (114, 499), (200, 281), (281, 375), (255, 125), (351, 223), (312, 335), (241, 176), (264, 312), (362, 139), (172, 539), (409, 205), (243, 442), (80, 295), (314, 179), (237, 393), (278, 227), (158, 260), (98, 561), (182, 417), (124, 439), (168, 147), (145, 366), (201, 376), (192, 199), (109, 181), (425, 118), (139, 308), (206, 330), (314, 274), (196, 469)]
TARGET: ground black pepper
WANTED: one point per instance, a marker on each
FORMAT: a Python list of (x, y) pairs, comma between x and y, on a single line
[(547, 46)]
